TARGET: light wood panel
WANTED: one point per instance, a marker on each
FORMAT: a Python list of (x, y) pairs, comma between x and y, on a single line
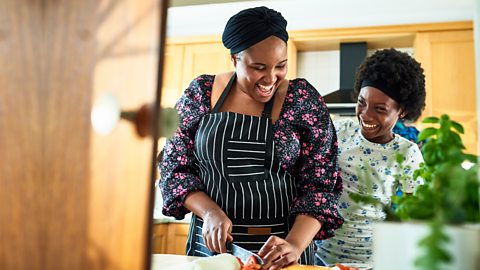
[(292, 60), (159, 238), (209, 58), (177, 238), (22, 194), (118, 210), (172, 83), (170, 238), (448, 60), (388, 36), (70, 199)]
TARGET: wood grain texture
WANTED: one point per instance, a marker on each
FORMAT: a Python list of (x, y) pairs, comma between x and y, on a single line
[(448, 60), (70, 199), (22, 193)]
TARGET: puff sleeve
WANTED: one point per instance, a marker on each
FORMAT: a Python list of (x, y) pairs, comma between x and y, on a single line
[(179, 168), (318, 180)]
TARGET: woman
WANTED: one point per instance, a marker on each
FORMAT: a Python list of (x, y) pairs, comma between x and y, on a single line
[(390, 86), (254, 158)]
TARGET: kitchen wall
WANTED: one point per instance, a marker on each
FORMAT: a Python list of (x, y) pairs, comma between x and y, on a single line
[(322, 68), (313, 14)]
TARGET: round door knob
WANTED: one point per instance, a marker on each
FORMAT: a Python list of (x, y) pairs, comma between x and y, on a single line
[(106, 114)]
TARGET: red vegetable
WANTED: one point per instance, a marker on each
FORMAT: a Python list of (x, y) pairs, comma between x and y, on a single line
[(251, 264)]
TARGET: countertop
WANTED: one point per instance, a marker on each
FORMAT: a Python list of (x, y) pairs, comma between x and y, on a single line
[(162, 261), (159, 218)]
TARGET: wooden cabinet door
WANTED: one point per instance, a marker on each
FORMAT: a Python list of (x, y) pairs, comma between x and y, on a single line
[(159, 238), (448, 60), (177, 238), (205, 58), (172, 88)]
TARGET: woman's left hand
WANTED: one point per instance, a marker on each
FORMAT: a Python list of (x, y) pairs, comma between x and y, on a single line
[(277, 253)]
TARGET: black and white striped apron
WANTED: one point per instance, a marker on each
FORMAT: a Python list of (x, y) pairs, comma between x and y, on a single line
[(241, 174)]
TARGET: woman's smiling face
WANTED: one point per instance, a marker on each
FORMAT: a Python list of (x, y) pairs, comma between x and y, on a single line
[(261, 68), (377, 113)]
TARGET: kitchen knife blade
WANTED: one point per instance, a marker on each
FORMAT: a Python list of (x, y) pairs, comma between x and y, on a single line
[(243, 254)]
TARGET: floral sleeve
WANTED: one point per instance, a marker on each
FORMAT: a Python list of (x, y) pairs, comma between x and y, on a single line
[(179, 168), (319, 184)]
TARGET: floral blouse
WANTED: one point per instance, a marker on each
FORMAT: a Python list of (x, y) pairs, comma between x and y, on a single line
[(305, 144), (366, 167)]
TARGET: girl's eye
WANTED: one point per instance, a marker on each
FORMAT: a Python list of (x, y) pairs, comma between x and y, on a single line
[(258, 68), (381, 109), (281, 66), (360, 102)]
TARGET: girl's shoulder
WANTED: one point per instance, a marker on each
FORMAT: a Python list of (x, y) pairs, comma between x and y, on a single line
[(346, 125)]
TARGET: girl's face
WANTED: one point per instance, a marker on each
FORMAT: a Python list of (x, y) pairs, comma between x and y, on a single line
[(377, 113), (261, 68)]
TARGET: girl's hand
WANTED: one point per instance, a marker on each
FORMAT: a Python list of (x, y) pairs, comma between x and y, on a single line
[(217, 229), (277, 253)]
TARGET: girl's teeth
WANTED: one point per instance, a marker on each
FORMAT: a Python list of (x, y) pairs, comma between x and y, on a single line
[(369, 126)]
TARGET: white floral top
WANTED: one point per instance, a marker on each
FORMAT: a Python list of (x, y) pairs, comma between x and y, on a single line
[(365, 167)]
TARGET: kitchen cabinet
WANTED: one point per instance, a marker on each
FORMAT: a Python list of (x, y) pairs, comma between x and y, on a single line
[(445, 51), (184, 62), (205, 58), (170, 238), (172, 75), (448, 60), (159, 238), (188, 58)]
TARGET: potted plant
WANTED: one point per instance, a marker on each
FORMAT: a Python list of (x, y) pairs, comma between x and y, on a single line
[(439, 222)]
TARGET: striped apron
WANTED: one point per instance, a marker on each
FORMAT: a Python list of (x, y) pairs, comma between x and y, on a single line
[(242, 175)]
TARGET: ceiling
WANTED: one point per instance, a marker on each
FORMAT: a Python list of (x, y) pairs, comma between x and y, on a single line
[(180, 3), (184, 20)]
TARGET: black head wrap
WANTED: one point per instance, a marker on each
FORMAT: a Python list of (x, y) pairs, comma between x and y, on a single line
[(251, 26), (392, 92)]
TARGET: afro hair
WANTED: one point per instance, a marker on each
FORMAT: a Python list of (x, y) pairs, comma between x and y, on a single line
[(400, 71)]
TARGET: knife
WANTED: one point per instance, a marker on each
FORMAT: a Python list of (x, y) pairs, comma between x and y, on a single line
[(243, 254)]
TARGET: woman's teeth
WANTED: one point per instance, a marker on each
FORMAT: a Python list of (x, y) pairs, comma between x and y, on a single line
[(265, 90)]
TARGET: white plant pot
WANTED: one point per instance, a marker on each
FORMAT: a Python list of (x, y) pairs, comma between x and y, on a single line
[(395, 245)]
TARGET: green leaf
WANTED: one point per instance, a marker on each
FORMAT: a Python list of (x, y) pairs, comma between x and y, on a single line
[(458, 127), (471, 158), (430, 120), (427, 133)]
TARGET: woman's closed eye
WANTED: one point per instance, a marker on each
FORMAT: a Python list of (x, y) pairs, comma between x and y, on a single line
[(259, 68)]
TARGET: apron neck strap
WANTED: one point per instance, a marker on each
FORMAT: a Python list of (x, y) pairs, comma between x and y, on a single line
[(267, 109), (225, 92)]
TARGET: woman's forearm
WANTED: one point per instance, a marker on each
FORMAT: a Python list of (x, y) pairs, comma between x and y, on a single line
[(303, 231), (200, 204)]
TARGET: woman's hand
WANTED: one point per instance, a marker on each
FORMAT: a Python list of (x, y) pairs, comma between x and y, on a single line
[(217, 229), (277, 253)]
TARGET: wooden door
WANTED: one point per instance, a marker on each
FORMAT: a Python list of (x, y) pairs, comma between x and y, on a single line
[(448, 60), (69, 198)]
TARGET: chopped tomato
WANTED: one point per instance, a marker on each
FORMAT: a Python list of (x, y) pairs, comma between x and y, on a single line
[(251, 264), (240, 262), (251, 260), (343, 267)]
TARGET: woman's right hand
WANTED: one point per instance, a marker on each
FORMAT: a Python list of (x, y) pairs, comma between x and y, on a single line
[(217, 229)]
